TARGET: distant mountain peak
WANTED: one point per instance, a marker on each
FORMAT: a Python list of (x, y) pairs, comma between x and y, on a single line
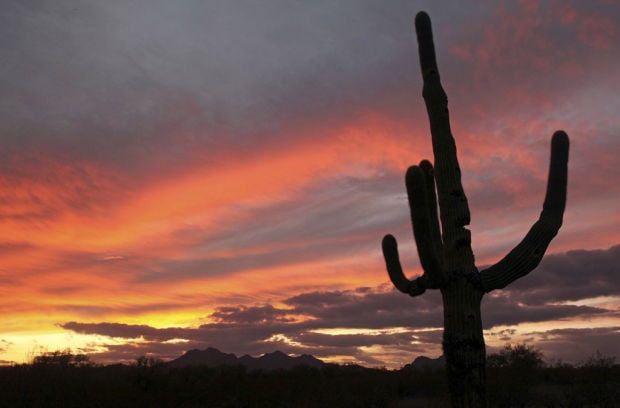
[(427, 363), (275, 354)]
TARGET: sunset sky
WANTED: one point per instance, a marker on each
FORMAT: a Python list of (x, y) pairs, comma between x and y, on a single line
[(193, 174)]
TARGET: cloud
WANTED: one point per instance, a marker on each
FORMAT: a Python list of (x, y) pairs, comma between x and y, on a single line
[(509, 311), (570, 276), (375, 309), (250, 315), (161, 70), (347, 322), (127, 331), (37, 188)]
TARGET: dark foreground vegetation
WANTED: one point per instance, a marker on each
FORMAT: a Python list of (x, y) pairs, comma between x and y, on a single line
[(517, 378)]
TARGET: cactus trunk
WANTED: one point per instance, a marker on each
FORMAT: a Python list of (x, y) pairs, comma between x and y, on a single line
[(463, 345), (445, 252)]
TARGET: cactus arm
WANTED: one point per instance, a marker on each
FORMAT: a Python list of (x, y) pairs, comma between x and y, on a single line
[(418, 194), (529, 252), (454, 210), (431, 199), (392, 262)]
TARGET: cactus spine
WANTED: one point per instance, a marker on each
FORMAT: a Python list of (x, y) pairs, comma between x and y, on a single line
[(445, 252)]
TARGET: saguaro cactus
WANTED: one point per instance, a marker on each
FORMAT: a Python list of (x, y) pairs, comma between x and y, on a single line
[(445, 254)]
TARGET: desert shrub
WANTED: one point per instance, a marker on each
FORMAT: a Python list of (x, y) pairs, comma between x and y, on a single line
[(61, 358), (514, 375), (597, 383), (154, 384)]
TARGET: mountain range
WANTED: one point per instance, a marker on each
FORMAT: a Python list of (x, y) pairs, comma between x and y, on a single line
[(212, 357)]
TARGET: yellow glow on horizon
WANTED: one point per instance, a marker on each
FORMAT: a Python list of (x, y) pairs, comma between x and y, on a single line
[(163, 320), (24, 346)]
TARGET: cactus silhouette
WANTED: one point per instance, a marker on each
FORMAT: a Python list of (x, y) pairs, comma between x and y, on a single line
[(445, 252)]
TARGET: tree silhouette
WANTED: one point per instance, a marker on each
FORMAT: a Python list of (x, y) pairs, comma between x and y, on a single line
[(445, 253)]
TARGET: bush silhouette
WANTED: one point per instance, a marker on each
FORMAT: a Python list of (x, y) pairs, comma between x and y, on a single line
[(61, 358), (594, 383), (514, 375)]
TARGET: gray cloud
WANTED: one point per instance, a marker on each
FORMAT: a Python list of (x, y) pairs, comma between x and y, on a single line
[(373, 310), (112, 79), (128, 331), (571, 276), (250, 315), (510, 311), (539, 296), (117, 71)]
